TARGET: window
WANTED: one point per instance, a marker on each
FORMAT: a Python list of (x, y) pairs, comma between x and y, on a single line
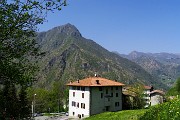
[(73, 103), (78, 105), (107, 108), (111, 94), (83, 88), (83, 105), (82, 95), (107, 91), (116, 88), (116, 94), (116, 104), (82, 115), (100, 88), (73, 113), (74, 87), (78, 88), (73, 94), (101, 95)]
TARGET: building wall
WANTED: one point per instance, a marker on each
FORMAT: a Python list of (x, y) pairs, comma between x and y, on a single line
[(75, 98), (156, 98), (147, 97), (104, 99)]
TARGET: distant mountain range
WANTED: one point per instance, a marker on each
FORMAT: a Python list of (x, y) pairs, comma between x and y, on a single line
[(165, 66), (69, 57)]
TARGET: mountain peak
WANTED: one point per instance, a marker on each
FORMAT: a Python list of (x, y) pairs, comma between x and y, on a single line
[(135, 54), (68, 29)]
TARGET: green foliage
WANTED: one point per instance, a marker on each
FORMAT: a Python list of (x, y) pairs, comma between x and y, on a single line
[(18, 25), (24, 105), (172, 92), (121, 115), (178, 85), (166, 111), (175, 90), (10, 100), (50, 100), (137, 92)]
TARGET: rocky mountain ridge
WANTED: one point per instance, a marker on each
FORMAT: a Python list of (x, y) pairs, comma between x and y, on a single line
[(166, 66), (70, 57)]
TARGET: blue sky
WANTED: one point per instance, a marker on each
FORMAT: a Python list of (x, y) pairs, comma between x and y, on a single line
[(124, 25)]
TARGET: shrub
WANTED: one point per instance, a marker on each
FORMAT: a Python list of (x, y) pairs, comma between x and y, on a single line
[(167, 111)]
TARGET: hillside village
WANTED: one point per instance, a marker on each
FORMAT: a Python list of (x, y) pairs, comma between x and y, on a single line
[(72, 61), (48, 73)]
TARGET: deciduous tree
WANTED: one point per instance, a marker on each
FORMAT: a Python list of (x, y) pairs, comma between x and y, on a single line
[(18, 27)]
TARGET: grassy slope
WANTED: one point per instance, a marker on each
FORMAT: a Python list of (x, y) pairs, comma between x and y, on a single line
[(121, 115)]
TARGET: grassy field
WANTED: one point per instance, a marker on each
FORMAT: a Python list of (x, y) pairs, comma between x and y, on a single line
[(121, 115)]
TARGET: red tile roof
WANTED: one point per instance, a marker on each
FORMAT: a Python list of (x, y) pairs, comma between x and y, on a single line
[(95, 81)]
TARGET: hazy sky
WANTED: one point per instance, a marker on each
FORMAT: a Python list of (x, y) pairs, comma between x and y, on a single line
[(124, 25)]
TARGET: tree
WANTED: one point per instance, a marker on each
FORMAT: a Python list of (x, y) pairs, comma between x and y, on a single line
[(18, 27), (10, 101), (175, 89), (178, 85), (24, 106), (139, 99), (54, 99), (136, 92)]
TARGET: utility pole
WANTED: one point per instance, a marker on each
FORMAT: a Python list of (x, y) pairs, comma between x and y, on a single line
[(59, 105), (33, 106)]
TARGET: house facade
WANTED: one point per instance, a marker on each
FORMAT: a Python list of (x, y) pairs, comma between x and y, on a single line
[(147, 95), (94, 95), (157, 97), (153, 97)]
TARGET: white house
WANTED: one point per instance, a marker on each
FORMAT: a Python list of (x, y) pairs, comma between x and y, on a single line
[(94, 95), (147, 95)]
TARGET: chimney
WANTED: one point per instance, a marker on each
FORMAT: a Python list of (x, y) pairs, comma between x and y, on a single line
[(97, 81), (95, 75), (78, 81)]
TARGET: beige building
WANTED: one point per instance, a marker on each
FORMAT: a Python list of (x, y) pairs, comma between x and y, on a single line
[(94, 95), (157, 97), (150, 96)]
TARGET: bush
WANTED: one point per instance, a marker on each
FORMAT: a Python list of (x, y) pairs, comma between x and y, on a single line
[(166, 111)]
